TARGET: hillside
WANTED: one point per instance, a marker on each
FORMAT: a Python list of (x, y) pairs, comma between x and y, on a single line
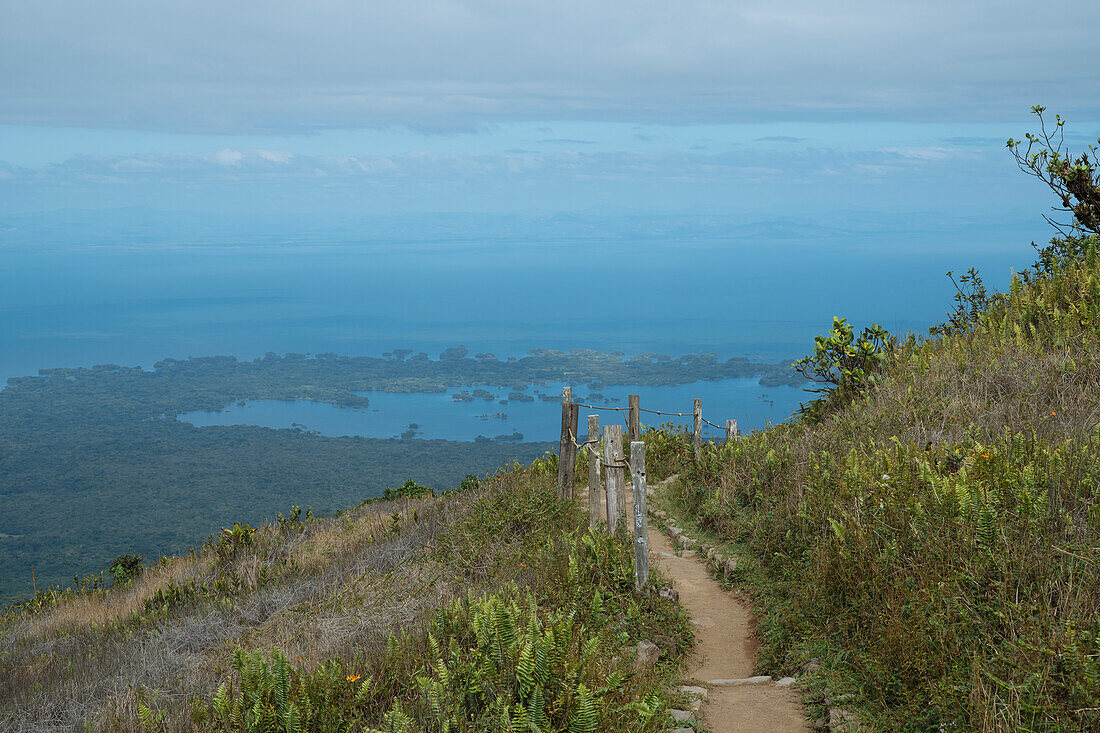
[(477, 610), (933, 538)]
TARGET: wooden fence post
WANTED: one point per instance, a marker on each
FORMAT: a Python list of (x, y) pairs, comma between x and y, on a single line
[(641, 521), (697, 438), (635, 430), (614, 475), (731, 430), (567, 450), (595, 511)]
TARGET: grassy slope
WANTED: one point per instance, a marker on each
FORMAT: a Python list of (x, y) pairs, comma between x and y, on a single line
[(489, 604), (937, 543)]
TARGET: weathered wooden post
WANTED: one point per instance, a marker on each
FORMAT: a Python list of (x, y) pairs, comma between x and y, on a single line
[(731, 430), (641, 521), (697, 438), (595, 511), (635, 428), (567, 450), (614, 475)]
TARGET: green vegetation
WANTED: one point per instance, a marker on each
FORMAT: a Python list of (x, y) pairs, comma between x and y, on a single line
[(492, 608), (93, 465), (844, 364), (933, 537)]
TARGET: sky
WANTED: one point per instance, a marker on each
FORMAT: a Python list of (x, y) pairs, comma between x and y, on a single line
[(750, 108)]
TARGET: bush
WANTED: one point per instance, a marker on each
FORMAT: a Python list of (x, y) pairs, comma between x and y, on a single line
[(844, 364), (408, 490), (126, 567)]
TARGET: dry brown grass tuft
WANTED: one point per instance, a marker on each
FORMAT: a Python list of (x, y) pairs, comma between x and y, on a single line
[(103, 609), (334, 586)]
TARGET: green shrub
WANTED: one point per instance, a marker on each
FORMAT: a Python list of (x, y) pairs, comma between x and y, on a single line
[(844, 364), (126, 567)]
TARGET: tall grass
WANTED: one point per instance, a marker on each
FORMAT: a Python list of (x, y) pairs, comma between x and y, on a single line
[(937, 542)]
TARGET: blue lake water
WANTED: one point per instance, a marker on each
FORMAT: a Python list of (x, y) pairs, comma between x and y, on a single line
[(71, 305), (440, 416), (66, 304)]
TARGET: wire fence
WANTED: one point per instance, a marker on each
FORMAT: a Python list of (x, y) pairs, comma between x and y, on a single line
[(626, 413)]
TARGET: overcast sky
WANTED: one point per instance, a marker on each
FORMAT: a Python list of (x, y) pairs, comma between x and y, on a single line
[(498, 105)]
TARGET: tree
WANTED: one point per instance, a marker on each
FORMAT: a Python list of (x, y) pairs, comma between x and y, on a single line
[(454, 353), (1074, 180)]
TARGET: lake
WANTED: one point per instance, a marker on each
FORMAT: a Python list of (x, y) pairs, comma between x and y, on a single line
[(441, 416), (66, 304)]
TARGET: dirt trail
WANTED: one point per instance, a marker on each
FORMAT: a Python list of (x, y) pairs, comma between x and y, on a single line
[(725, 648)]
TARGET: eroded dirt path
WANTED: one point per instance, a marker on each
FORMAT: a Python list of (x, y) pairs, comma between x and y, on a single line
[(725, 649)]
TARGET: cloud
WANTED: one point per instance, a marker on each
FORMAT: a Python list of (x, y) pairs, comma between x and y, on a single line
[(442, 168), (780, 139), (457, 65)]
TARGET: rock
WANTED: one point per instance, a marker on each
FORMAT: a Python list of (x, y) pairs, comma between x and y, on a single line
[(668, 593), (758, 680), (681, 553), (675, 531), (681, 716), (647, 653), (729, 567), (843, 721), (686, 542), (694, 691), (705, 549), (711, 552), (819, 724), (786, 682), (812, 666), (683, 730)]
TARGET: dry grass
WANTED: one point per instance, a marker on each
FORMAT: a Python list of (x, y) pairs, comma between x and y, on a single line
[(102, 609), (337, 586)]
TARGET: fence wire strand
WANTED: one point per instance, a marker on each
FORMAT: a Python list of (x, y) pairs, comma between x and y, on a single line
[(626, 417)]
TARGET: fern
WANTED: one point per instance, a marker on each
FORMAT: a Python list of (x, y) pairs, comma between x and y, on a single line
[(987, 527), (584, 719)]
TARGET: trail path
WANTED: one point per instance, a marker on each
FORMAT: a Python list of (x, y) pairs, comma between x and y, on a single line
[(725, 649)]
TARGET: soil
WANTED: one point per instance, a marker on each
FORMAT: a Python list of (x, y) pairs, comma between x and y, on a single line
[(725, 649)]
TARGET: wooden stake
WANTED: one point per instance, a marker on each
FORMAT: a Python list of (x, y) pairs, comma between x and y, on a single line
[(635, 430), (731, 430), (614, 476), (595, 510), (697, 438), (641, 521), (566, 448)]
